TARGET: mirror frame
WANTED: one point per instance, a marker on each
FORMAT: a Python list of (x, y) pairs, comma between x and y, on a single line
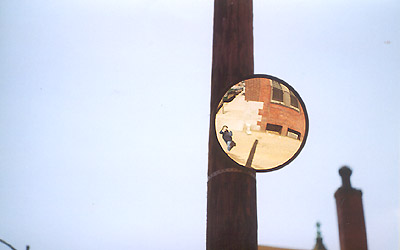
[(301, 103)]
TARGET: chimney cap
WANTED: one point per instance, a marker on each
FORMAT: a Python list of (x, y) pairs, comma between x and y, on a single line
[(345, 173)]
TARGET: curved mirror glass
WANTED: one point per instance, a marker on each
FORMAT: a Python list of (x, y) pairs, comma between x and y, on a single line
[(261, 123)]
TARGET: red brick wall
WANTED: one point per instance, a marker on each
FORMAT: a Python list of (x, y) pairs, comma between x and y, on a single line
[(259, 89), (352, 233), (253, 89)]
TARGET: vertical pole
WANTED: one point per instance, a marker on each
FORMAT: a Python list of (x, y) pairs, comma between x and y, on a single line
[(350, 213), (251, 154), (231, 194)]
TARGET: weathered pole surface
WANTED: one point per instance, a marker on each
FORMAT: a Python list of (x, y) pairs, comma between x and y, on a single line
[(231, 194)]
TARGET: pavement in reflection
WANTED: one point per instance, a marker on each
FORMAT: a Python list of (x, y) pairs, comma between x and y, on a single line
[(241, 117)]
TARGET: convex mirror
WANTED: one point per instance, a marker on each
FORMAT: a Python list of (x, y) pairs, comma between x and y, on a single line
[(261, 123)]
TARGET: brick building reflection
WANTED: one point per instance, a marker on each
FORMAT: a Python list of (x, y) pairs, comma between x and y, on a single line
[(281, 112)]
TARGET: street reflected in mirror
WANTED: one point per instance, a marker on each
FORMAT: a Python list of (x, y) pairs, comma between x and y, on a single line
[(261, 123)]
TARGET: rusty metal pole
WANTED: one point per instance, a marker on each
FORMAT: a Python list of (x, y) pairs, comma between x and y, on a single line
[(231, 194)]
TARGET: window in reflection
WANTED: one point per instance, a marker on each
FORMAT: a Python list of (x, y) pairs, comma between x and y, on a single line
[(263, 117)]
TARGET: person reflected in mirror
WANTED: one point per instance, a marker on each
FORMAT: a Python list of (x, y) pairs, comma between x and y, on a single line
[(227, 136)]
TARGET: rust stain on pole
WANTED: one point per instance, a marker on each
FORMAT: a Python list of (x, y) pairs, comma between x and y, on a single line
[(231, 194)]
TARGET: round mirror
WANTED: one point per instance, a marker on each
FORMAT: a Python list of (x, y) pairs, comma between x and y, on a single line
[(261, 123)]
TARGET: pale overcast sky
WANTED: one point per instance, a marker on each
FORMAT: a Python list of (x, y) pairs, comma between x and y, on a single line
[(104, 118)]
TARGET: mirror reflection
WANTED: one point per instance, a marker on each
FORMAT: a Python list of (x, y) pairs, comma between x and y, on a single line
[(261, 123)]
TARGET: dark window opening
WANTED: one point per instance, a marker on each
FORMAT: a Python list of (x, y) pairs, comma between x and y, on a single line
[(293, 134), (293, 100), (277, 92), (274, 128)]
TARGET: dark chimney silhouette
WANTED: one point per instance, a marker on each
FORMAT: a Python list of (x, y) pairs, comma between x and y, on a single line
[(350, 213)]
